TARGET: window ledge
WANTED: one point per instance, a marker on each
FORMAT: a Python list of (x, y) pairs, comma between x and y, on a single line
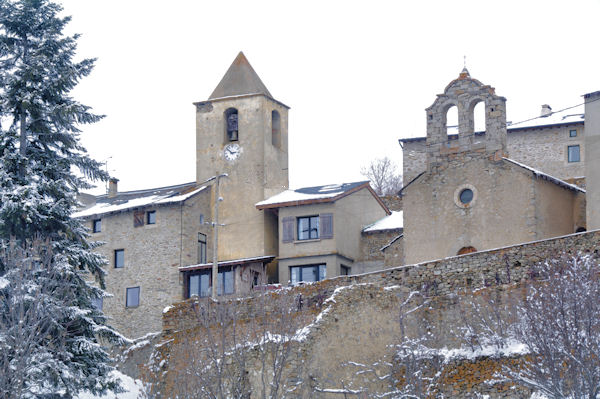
[(303, 241)]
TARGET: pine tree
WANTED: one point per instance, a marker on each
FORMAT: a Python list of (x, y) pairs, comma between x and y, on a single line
[(49, 329)]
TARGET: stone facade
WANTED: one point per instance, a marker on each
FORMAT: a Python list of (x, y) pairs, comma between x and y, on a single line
[(152, 255), (505, 202)]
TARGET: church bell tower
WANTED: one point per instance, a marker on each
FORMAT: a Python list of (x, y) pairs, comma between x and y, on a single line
[(242, 131)]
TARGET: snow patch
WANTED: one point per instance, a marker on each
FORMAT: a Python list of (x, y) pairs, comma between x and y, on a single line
[(133, 389), (391, 222), (511, 349), (3, 283)]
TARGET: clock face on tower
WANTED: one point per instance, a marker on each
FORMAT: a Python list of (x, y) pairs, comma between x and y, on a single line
[(232, 151)]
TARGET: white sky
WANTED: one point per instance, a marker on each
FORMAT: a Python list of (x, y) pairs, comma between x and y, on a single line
[(357, 75)]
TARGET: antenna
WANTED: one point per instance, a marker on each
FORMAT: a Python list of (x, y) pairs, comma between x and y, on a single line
[(106, 167)]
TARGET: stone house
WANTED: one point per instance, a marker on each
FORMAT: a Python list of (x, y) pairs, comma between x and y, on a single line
[(320, 229), (472, 196)]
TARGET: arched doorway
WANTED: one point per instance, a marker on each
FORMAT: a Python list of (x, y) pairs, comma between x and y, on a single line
[(466, 250)]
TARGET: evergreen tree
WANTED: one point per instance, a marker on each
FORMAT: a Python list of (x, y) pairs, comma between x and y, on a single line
[(49, 329)]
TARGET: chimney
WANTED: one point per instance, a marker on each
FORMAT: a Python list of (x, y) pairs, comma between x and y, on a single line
[(546, 110), (112, 187)]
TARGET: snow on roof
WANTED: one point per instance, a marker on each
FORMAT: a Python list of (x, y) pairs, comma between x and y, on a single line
[(136, 199), (546, 176), (299, 195), (571, 115), (391, 222)]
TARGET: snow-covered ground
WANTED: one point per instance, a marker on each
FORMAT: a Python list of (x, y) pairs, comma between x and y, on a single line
[(133, 389)]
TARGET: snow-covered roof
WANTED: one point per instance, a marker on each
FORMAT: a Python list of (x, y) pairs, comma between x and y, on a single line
[(141, 198), (309, 195), (548, 177), (394, 221), (571, 115)]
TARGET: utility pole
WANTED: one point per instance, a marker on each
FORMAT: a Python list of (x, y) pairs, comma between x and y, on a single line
[(215, 267)]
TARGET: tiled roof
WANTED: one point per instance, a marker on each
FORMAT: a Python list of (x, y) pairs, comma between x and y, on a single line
[(140, 198)]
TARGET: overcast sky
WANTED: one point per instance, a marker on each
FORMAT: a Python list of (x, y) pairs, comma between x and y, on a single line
[(357, 75)]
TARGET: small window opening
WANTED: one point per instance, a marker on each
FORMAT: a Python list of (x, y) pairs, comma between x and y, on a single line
[(119, 258), (572, 133), (201, 248), (466, 196), (275, 129), (97, 225), (132, 299), (231, 124), (151, 217)]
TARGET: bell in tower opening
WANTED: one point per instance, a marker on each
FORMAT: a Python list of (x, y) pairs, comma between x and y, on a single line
[(232, 124)]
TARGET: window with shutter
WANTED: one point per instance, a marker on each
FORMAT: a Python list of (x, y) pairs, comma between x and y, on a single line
[(326, 225), (138, 218), (287, 234)]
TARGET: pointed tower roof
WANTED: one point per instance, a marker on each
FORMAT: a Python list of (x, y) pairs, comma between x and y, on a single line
[(239, 79)]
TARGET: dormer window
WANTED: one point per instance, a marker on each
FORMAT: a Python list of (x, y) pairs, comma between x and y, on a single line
[(231, 124)]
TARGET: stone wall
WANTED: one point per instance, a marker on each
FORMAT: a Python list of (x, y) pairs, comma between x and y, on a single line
[(352, 321), (393, 202), (434, 278), (153, 253), (372, 243)]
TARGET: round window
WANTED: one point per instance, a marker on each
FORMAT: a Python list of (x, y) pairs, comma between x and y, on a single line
[(466, 196)]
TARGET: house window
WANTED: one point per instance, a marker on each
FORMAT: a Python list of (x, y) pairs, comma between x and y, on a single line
[(200, 283), (201, 248), (96, 225), (231, 124), (344, 270), (119, 258), (308, 228), (151, 217), (97, 303), (307, 273), (225, 279), (573, 133), (132, 298), (573, 151)]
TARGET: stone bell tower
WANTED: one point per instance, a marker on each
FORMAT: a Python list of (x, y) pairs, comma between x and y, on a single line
[(465, 93), (242, 131)]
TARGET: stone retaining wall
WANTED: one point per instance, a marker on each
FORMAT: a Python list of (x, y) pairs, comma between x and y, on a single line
[(355, 318)]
